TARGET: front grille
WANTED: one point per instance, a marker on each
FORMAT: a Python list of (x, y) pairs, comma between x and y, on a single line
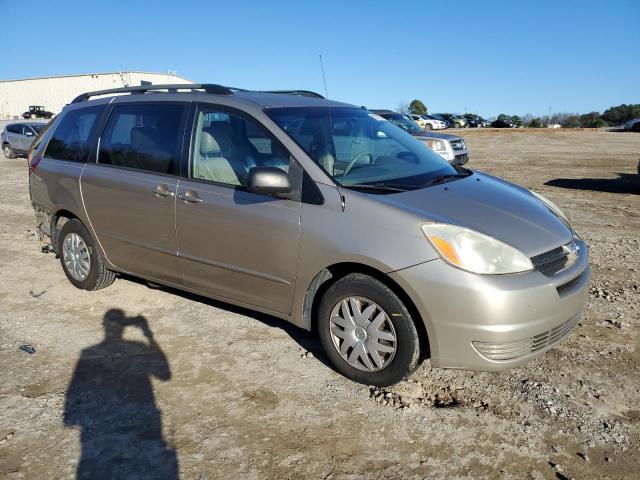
[(528, 346), (550, 262), (458, 144)]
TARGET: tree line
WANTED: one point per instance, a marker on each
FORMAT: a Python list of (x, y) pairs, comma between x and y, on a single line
[(612, 116)]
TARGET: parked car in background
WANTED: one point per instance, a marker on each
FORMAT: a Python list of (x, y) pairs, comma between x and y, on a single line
[(633, 125), (17, 138), (427, 122), (36, 111), (436, 124), (315, 211), (420, 120), (503, 124), (447, 123), (476, 122), (455, 120), (450, 147)]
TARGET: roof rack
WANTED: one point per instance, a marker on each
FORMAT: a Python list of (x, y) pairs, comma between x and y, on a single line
[(207, 87), (302, 93)]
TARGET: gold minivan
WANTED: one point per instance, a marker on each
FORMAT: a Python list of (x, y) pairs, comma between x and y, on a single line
[(318, 212)]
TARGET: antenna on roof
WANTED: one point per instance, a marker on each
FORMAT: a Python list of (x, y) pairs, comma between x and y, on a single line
[(324, 80)]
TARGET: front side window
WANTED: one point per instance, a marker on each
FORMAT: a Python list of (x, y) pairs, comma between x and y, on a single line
[(227, 146), (356, 147), (70, 141), (144, 137)]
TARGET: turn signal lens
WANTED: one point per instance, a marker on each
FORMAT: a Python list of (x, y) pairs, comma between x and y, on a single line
[(446, 249)]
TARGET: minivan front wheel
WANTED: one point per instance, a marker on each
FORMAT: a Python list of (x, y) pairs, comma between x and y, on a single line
[(81, 261), (367, 332)]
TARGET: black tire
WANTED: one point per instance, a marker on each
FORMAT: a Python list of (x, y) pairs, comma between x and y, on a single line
[(407, 352), (427, 126), (99, 275), (8, 151)]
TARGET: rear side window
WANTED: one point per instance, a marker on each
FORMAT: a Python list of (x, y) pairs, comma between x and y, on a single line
[(70, 141), (14, 129), (144, 137)]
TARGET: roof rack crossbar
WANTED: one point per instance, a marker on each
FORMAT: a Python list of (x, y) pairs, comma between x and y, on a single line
[(303, 93), (207, 87)]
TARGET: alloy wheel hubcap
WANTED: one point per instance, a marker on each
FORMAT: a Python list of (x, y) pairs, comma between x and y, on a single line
[(7, 150), (363, 334), (76, 256)]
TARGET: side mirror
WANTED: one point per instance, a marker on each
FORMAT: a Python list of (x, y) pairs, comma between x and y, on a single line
[(268, 181), (29, 134)]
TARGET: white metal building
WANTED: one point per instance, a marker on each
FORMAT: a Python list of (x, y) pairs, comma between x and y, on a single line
[(53, 93)]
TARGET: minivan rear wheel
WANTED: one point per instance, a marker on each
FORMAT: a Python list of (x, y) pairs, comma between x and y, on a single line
[(367, 332), (8, 151), (81, 260)]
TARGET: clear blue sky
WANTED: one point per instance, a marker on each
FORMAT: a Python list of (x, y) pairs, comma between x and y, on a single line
[(490, 57)]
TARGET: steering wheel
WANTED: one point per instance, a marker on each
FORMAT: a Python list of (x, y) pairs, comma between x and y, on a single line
[(353, 162)]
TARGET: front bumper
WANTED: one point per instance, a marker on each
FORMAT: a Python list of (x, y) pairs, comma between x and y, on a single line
[(460, 159), (494, 322)]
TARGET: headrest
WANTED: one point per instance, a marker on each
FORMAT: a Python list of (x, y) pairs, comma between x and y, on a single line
[(220, 128), (208, 145)]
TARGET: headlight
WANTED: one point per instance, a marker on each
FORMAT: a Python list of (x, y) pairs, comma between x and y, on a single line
[(475, 252), (437, 145), (554, 208)]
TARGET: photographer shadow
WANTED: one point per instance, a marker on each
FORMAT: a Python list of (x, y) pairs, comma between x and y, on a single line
[(110, 399)]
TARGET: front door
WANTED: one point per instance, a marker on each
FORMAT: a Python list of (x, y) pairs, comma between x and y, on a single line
[(232, 243), (130, 194)]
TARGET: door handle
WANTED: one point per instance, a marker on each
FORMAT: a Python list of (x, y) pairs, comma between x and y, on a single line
[(190, 197), (163, 191)]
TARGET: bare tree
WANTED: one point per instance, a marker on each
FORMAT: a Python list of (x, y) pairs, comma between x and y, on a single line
[(403, 107)]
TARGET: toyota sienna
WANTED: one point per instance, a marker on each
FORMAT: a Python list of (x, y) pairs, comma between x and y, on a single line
[(317, 212)]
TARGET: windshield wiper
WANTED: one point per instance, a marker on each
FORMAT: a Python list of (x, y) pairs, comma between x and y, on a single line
[(443, 178), (380, 187)]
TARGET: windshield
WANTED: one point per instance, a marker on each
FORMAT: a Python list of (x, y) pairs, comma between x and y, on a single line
[(358, 148), (404, 123)]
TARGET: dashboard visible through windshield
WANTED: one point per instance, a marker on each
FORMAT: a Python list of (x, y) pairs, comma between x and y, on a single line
[(360, 149)]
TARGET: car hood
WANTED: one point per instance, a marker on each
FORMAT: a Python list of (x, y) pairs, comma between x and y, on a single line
[(491, 206), (430, 134)]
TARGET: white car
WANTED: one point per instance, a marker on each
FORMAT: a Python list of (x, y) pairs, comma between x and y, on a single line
[(435, 123), (426, 122)]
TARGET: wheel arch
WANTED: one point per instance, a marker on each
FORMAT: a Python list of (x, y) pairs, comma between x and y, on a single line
[(331, 274), (58, 219)]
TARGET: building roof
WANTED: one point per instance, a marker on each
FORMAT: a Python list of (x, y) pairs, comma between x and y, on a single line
[(97, 74)]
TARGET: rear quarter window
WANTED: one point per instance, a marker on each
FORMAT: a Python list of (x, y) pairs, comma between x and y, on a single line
[(70, 140)]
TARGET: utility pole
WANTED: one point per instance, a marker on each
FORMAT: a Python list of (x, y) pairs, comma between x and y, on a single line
[(549, 118)]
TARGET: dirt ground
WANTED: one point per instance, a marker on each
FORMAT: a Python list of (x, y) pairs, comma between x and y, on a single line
[(196, 389)]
